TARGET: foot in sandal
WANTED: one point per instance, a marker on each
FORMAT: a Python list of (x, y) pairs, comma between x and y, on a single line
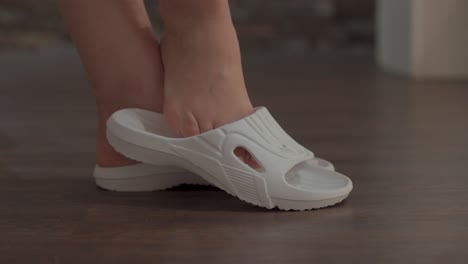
[(205, 91), (212, 129), (286, 176)]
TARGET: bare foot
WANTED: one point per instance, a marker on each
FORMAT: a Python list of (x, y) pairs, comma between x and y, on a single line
[(139, 86), (116, 45), (204, 85)]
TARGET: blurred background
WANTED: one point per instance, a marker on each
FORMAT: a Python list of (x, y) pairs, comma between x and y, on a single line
[(419, 39), (293, 25)]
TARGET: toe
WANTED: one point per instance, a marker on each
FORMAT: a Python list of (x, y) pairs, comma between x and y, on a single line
[(205, 125), (188, 125)]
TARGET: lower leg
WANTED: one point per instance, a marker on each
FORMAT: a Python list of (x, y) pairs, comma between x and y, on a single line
[(114, 39), (204, 83)]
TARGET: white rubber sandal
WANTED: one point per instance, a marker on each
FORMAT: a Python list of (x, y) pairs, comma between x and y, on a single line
[(287, 178), (143, 177), (146, 177)]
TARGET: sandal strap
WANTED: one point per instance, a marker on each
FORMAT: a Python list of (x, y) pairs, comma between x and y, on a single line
[(260, 134)]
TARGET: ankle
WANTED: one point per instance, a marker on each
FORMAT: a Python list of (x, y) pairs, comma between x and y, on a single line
[(106, 156), (121, 94), (112, 98)]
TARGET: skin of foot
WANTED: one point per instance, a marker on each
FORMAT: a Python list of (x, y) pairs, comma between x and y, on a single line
[(123, 61), (197, 81), (204, 85)]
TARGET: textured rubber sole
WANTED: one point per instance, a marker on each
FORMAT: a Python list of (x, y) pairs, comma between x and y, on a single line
[(147, 155)]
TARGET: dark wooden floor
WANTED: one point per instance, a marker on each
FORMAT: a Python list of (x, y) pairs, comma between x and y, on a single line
[(403, 143)]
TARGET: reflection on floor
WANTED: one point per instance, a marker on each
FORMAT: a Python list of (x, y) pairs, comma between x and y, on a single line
[(404, 144)]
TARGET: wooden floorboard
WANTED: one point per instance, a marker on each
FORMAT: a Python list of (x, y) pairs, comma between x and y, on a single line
[(403, 143)]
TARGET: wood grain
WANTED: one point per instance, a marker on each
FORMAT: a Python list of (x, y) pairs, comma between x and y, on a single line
[(404, 144)]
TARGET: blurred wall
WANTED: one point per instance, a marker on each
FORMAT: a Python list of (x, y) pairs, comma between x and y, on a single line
[(428, 40), (28, 23), (321, 25), (317, 25)]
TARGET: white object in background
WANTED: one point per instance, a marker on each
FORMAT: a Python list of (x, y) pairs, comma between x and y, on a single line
[(423, 38)]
